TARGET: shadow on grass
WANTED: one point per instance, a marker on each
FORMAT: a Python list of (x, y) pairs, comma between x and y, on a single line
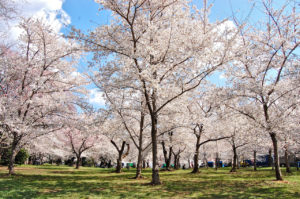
[(65, 182)]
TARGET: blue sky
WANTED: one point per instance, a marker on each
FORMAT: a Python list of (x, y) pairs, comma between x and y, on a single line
[(85, 13)]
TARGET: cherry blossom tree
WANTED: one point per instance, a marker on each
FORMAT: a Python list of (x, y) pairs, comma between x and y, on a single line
[(81, 135), (37, 84), (119, 139), (163, 46), (130, 108), (8, 12), (202, 118), (167, 151), (264, 74)]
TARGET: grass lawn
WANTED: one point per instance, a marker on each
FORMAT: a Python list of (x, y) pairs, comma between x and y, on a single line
[(67, 182)]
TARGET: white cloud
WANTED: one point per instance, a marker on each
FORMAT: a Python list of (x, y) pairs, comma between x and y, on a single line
[(222, 76), (49, 10), (76, 74), (96, 97)]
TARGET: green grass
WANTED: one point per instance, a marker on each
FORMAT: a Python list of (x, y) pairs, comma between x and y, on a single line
[(66, 182)]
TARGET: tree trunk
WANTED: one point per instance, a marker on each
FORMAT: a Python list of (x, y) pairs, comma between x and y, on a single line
[(270, 160), (196, 156), (217, 161), (234, 164), (78, 161), (11, 170), (287, 162), (276, 157), (254, 160), (155, 167), (175, 161), (120, 154), (140, 147), (196, 164), (119, 164), (144, 164), (178, 162), (139, 164), (168, 160), (167, 156)]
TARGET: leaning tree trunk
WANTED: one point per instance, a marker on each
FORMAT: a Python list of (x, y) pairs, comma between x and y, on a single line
[(287, 162), (276, 157), (254, 160), (234, 164), (11, 170)]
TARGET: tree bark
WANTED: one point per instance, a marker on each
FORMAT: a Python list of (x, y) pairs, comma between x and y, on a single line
[(144, 164), (217, 161), (270, 160), (175, 161), (177, 158), (196, 156), (155, 167), (78, 161), (120, 155), (234, 163), (11, 170), (119, 164), (139, 165), (140, 147), (254, 160), (276, 157), (178, 162), (167, 156), (287, 162)]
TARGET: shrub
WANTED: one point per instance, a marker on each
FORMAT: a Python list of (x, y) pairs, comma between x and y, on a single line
[(21, 156)]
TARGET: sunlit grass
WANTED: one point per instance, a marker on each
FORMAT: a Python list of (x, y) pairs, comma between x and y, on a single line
[(66, 182)]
